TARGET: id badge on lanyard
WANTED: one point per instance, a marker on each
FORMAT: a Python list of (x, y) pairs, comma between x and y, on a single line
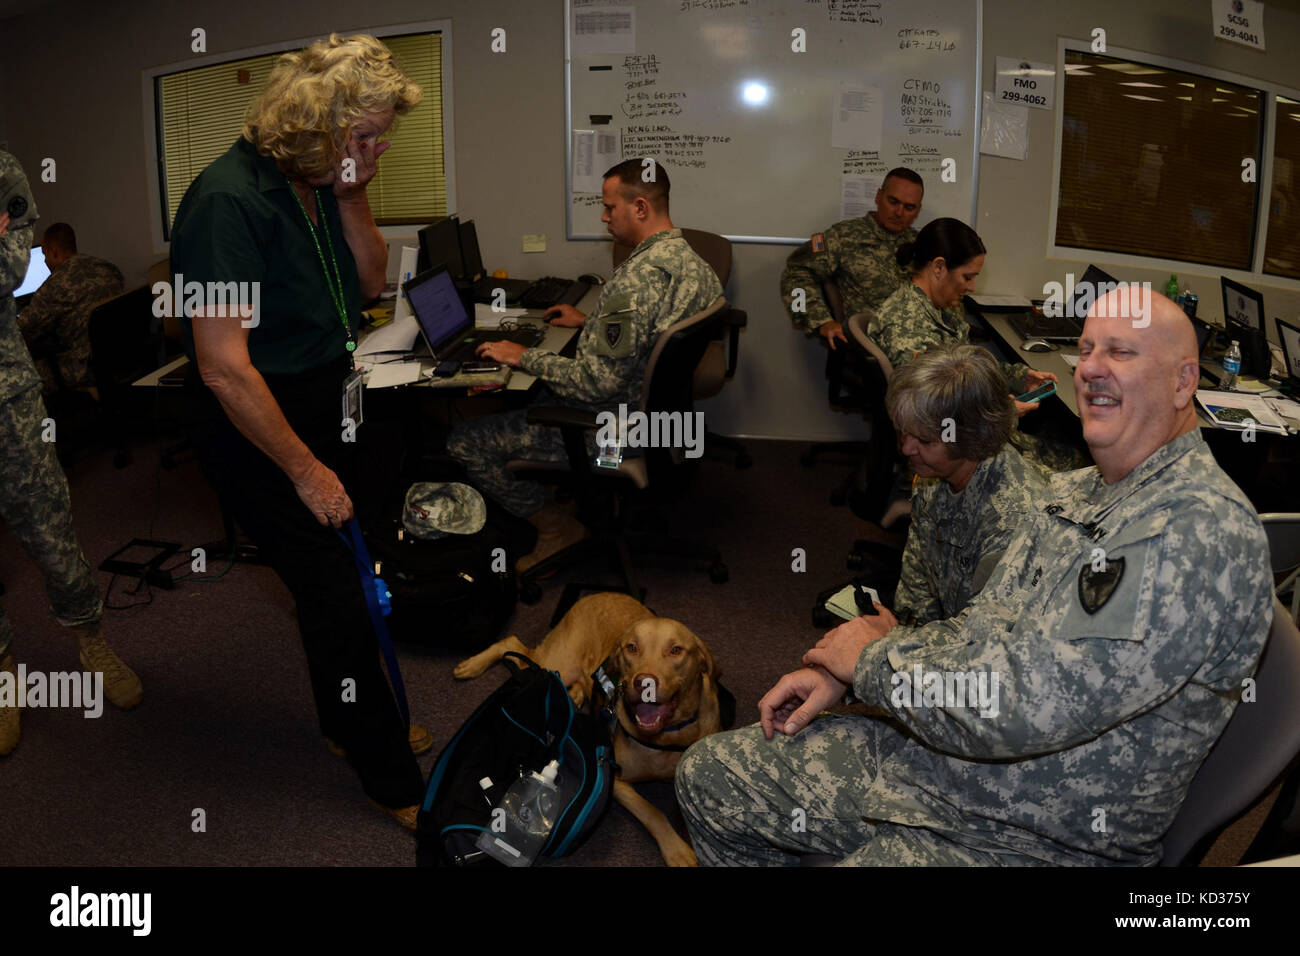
[(353, 388)]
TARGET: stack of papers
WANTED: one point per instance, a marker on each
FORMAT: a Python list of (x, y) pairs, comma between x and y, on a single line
[(843, 603), (1238, 411)]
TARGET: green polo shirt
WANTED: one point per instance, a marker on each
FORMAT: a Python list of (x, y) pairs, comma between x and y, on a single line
[(239, 222)]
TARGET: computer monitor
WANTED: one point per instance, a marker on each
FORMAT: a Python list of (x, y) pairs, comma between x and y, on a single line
[(440, 246), (1289, 335), (1242, 305), (469, 251), (439, 310), (1085, 290), (37, 273)]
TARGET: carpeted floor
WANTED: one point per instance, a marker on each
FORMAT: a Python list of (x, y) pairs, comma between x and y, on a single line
[(227, 725)]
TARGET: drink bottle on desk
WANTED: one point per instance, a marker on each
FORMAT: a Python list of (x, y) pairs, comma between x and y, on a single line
[(1171, 288), (526, 814), (1231, 366)]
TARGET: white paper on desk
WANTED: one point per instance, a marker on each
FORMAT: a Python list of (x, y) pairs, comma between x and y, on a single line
[(389, 374), (855, 118), (1284, 407), (995, 300), (398, 335), (402, 308), (1217, 403), (594, 151), (857, 196), (603, 30)]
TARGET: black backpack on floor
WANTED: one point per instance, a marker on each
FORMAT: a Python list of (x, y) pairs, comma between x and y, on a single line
[(456, 591), (525, 724)]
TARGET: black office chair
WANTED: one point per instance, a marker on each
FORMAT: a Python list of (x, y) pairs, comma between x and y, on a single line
[(609, 499), (1261, 740), (849, 386), (718, 364), (126, 343)]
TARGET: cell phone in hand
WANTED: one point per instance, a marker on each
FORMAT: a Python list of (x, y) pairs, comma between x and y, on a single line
[(1038, 394)]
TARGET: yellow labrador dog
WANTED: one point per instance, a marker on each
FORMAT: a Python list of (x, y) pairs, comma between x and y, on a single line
[(667, 695)]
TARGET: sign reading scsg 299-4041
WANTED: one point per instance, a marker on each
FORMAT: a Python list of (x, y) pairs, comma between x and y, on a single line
[(1232, 33)]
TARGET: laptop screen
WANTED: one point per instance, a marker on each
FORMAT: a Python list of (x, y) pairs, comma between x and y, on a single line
[(1242, 304), (438, 308), (1086, 291), (1289, 336)]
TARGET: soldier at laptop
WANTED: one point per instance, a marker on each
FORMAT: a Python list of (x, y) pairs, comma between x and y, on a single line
[(660, 283)]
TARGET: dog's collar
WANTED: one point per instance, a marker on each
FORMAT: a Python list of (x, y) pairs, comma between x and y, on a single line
[(673, 748)]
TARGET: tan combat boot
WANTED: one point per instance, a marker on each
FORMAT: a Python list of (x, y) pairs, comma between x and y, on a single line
[(121, 686), (9, 715), (556, 528)]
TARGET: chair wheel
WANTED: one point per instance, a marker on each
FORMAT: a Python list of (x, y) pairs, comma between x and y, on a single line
[(530, 592), (744, 460), (838, 497), (719, 574), (854, 561)]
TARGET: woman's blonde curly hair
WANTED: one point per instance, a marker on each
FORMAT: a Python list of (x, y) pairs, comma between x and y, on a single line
[(315, 96)]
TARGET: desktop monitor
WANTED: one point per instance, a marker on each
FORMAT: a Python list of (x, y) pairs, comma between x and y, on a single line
[(1289, 335), (440, 246), (469, 251), (37, 273), (1242, 305), (439, 310)]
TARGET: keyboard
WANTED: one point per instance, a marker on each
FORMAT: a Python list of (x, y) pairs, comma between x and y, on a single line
[(550, 291), (1032, 325), (525, 335)]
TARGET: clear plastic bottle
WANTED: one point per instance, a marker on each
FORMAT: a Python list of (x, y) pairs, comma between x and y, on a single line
[(526, 814), (1231, 366)]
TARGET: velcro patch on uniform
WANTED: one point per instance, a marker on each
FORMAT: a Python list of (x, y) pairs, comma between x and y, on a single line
[(1096, 587), (818, 242)]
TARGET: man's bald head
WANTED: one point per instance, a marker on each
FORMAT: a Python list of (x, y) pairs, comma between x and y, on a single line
[(1136, 377)]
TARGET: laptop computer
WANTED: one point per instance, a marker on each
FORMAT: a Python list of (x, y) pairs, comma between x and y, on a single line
[(446, 327), (1063, 328), (1289, 335)]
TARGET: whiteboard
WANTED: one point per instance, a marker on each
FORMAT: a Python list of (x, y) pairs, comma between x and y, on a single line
[(878, 84)]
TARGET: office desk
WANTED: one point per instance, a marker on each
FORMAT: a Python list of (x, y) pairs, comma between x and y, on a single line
[(555, 339)]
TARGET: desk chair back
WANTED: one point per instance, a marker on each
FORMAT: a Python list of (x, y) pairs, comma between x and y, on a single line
[(1283, 531), (1260, 741), (857, 333)]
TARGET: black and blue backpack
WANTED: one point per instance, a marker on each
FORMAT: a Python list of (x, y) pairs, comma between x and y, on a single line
[(525, 724)]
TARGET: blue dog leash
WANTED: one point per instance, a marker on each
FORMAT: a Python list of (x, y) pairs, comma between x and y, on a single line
[(376, 592)]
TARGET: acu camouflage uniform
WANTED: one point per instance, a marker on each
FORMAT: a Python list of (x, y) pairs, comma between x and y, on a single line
[(662, 282), (957, 538), (34, 499), (59, 314), (909, 323), (1104, 712), (859, 255)]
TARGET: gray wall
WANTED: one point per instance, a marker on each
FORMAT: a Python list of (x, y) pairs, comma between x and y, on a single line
[(509, 142)]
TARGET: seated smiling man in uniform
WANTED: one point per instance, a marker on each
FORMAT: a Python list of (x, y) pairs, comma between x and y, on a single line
[(662, 282), (1060, 718)]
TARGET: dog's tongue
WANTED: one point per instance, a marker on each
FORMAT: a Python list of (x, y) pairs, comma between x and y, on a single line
[(651, 717)]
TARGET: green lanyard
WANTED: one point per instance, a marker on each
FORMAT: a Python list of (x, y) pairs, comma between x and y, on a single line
[(334, 280)]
